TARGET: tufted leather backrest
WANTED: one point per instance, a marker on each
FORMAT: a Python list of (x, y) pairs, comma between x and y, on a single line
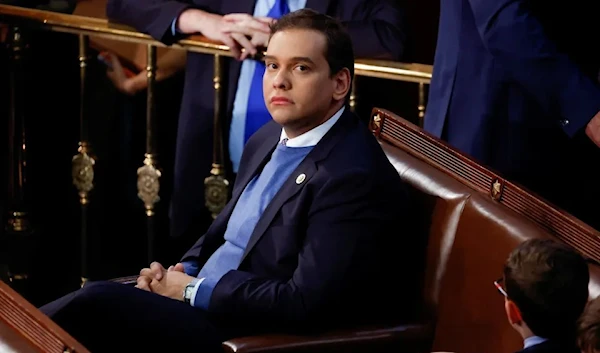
[(476, 219)]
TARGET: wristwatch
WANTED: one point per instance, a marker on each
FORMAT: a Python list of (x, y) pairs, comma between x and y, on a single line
[(188, 290)]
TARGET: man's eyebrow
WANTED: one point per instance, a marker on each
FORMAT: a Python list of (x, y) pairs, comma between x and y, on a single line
[(302, 58), (295, 58)]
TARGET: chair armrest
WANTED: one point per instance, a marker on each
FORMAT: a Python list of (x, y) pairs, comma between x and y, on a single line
[(402, 338)]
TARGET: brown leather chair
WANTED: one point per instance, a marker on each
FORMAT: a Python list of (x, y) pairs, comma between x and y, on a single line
[(473, 219)]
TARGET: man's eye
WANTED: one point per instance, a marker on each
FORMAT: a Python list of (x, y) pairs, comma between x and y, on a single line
[(302, 68), (271, 66)]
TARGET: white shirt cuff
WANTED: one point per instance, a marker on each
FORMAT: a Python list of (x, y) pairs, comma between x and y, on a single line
[(195, 291)]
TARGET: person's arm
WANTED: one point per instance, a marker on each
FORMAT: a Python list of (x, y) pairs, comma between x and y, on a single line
[(152, 17), (168, 21), (345, 233), (517, 41), (380, 33)]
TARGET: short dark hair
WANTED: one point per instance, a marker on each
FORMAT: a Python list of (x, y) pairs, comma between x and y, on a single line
[(548, 281), (339, 51), (588, 330)]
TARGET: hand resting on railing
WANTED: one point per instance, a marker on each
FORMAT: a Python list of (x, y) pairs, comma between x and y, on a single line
[(167, 65), (238, 31)]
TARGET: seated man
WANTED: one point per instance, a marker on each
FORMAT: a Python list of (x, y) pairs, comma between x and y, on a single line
[(546, 289), (589, 328), (307, 242)]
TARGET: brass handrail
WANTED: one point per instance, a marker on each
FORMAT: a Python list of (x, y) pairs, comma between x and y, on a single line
[(82, 25)]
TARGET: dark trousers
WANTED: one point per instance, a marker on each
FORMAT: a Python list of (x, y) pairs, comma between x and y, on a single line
[(113, 317)]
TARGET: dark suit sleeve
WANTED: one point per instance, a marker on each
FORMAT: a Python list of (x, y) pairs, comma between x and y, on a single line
[(377, 30), (339, 253), (153, 17), (517, 40)]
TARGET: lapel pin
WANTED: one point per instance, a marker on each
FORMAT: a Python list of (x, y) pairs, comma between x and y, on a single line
[(300, 178)]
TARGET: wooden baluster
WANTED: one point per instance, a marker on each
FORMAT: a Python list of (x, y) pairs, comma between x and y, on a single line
[(421, 106), (148, 183), (83, 162), (353, 96), (216, 186), (19, 230)]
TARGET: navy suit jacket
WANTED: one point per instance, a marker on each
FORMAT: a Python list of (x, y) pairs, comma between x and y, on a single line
[(514, 85), (327, 252), (376, 28)]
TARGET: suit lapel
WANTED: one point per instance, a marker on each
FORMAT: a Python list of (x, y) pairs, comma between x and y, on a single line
[(294, 183), (258, 159), (288, 189)]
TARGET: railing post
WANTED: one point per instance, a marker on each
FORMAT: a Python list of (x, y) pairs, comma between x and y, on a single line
[(353, 97), (19, 230), (82, 169), (216, 187), (148, 182), (421, 106)]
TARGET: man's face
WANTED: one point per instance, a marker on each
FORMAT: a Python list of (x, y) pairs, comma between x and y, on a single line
[(298, 88)]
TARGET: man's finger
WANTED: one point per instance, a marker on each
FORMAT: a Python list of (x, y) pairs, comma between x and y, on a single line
[(143, 283), (146, 272), (245, 43), (249, 28), (157, 269), (265, 19), (260, 41), (246, 24), (233, 46), (236, 17), (179, 267)]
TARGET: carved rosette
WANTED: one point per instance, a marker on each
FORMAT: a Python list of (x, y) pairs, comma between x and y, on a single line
[(83, 173), (216, 189), (376, 124), (497, 189), (148, 184)]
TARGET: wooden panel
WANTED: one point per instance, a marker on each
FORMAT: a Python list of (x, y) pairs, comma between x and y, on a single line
[(23, 326)]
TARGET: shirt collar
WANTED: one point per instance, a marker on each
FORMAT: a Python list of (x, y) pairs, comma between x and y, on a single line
[(313, 136), (532, 341)]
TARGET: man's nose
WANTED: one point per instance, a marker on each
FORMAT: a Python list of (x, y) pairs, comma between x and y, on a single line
[(281, 80)]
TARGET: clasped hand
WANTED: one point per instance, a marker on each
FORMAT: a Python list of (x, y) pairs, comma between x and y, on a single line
[(238, 31), (166, 282)]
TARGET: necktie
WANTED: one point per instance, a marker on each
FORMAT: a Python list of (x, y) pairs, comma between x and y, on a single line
[(257, 114)]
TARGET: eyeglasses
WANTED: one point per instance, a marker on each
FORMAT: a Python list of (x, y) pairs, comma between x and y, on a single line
[(499, 287)]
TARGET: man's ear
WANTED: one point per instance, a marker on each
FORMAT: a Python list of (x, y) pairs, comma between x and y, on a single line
[(512, 312), (342, 84)]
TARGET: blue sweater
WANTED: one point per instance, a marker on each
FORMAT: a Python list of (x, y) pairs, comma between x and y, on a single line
[(246, 213)]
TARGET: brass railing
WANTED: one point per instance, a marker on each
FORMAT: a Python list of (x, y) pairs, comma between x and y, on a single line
[(148, 174)]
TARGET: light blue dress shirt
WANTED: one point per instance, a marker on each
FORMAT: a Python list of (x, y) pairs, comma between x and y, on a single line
[(532, 341)]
